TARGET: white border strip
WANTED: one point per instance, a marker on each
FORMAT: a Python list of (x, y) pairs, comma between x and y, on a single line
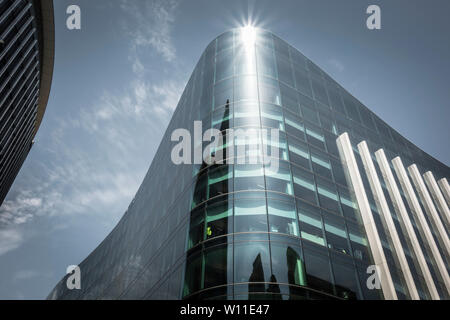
[(421, 222), (437, 195), (405, 222), (430, 210), (349, 162), (443, 183), (389, 225)]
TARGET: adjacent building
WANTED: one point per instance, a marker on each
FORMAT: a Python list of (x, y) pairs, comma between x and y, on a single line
[(349, 197), (26, 68)]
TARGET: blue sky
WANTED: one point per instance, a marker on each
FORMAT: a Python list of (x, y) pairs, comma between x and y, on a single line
[(118, 79)]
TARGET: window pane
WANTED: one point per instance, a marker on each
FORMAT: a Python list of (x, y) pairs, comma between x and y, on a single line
[(302, 80), (220, 180), (223, 93), (358, 242), (272, 116), (225, 41), (310, 223), (304, 185), (287, 264), (319, 90), (328, 197), (269, 90), (279, 179), (218, 266), (285, 71), (224, 65), (317, 266), (250, 215), (251, 264), (349, 207), (299, 153), (282, 217), (294, 126), (266, 62), (249, 177), (245, 88), (219, 217), (193, 277), (289, 98), (196, 231), (336, 101), (344, 277), (315, 136), (321, 163), (336, 233)]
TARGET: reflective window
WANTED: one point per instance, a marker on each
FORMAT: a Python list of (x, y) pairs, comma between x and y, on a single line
[(319, 90), (279, 178), (219, 215), (250, 215), (225, 41), (220, 180), (272, 116), (336, 233), (294, 126), (311, 227), (304, 185), (321, 163), (222, 118), (245, 88), (345, 277), (193, 277), (200, 190), (248, 177), (282, 217), (266, 62), (349, 207), (336, 101), (196, 224), (285, 71), (299, 153), (224, 65), (269, 91), (218, 266), (245, 114), (252, 264), (289, 98), (317, 264), (302, 81), (275, 145), (287, 264), (223, 93), (315, 136), (328, 196), (358, 241)]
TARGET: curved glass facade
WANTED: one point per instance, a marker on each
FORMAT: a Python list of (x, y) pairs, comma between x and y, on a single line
[(246, 230)]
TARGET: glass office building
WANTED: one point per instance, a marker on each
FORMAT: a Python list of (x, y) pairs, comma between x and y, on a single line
[(26, 68), (335, 207)]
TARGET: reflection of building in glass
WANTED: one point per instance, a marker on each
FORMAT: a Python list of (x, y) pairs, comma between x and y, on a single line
[(308, 230), (26, 68)]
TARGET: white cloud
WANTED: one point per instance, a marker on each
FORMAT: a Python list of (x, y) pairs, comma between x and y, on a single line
[(96, 157), (151, 26), (10, 239), (25, 275)]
